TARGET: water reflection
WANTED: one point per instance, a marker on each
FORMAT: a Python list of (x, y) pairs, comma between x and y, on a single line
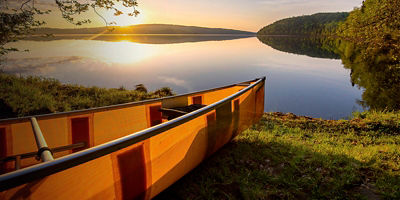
[(144, 39), (375, 74), (299, 84), (300, 45)]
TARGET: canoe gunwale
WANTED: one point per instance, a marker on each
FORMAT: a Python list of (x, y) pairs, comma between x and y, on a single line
[(22, 176)]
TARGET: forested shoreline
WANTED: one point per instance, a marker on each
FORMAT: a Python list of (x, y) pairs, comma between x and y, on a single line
[(367, 40), (374, 27), (306, 25)]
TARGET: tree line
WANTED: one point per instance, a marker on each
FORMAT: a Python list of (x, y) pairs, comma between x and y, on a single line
[(315, 24), (375, 27)]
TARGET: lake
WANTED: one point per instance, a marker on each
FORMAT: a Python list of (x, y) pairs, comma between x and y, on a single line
[(308, 84)]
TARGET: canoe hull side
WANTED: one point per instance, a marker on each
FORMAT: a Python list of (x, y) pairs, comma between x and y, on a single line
[(143, 170)]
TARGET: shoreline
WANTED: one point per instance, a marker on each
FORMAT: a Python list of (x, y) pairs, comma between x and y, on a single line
[(286, 156)]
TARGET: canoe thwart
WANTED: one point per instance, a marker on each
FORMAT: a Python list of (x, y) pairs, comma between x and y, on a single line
[(172, 113), (17, 158)]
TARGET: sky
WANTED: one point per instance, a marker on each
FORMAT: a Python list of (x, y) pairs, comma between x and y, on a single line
[(250, 15)]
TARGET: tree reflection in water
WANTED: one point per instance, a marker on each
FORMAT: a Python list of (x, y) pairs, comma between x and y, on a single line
[(377, 74)]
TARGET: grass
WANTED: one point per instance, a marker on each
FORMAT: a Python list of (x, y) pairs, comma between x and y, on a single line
[(22, 96), (289, 157)]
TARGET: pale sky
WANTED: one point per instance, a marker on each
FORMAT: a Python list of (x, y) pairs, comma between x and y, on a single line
[(250, 15)]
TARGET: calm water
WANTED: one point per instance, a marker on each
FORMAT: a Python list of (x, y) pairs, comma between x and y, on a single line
[(304, 85)]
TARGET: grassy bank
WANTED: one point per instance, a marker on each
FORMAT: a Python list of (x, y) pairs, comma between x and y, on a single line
[(22, 96), (289, 157)]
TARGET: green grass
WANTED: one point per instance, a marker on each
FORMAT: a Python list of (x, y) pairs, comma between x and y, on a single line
[(22, 96), (289, 157)]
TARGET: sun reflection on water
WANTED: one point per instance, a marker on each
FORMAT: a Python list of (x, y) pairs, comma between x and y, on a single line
[(123, 52)]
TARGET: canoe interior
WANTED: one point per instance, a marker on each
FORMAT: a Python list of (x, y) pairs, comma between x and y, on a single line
[(142, 170)]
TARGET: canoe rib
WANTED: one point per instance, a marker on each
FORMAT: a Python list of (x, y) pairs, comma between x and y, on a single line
[(16, 178)]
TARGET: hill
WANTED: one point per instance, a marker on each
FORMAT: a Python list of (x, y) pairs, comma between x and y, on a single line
[(305, 25), (143, 29)]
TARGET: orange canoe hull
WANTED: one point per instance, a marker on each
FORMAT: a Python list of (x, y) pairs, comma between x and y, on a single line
[(140, 170)]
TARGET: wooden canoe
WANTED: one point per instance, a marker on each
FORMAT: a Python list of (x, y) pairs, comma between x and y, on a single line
[(127, 151)]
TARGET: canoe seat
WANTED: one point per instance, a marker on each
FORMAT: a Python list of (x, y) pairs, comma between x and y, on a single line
[(243, 84), (171, 113)]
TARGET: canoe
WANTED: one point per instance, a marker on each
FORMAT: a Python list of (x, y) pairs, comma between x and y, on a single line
[(126, 151)]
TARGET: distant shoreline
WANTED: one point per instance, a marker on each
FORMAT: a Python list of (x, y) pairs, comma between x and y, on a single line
[(140, 38), (149, 34), (145, 29)]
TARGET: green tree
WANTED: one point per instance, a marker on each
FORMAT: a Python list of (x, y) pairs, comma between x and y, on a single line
[(375, 27), (371, 49)]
